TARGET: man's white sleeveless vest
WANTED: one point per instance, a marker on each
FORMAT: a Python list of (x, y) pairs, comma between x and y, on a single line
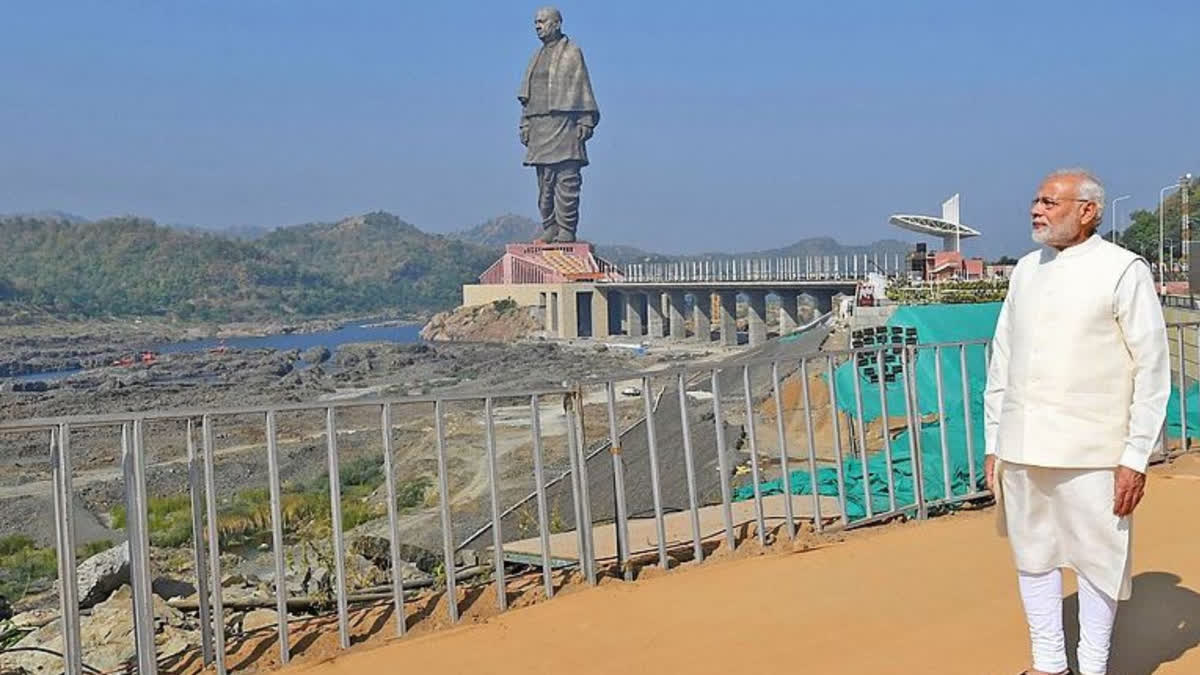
[(1070, 376)]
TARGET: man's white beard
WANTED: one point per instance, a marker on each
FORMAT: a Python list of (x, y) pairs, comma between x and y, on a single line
[(1052, 234)]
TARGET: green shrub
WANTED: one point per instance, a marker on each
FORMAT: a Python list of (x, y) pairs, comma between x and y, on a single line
[(92, 548), (25, 566), (411, 493), (169, 518), (15, 543), (505, 305)]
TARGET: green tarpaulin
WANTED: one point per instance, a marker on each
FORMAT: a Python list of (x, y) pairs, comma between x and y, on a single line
[(933, 324)]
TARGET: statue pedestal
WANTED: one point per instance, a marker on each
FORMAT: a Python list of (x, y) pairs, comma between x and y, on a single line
[(581, 249), (553, 263)]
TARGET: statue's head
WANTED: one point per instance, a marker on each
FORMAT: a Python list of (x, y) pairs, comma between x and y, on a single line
[(548, 24)]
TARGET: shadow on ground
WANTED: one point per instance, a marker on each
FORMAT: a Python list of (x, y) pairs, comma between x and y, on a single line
[(1157, 625)]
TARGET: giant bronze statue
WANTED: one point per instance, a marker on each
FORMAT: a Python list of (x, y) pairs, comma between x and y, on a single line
[(558, 114)]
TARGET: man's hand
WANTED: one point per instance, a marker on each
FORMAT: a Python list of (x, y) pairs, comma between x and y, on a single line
[(989, 472), (525, 136), (585, 132), (1130, 486)]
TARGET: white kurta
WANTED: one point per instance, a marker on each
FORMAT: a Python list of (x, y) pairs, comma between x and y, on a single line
[(1061, 516)]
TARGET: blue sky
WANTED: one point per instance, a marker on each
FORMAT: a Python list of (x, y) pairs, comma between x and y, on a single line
[(723, 127)]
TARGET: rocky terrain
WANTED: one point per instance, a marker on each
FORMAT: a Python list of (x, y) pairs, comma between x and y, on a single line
[(502, 321), (232, 378)]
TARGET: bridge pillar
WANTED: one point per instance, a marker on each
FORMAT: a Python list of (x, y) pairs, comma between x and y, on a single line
[(633, 313), (822, 301), (655, 318), (729, 336), (789, 317), (678, 328), (756, 317), (702, 315)]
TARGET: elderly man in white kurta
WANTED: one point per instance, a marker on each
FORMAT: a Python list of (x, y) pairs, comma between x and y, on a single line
[(1075, 402)]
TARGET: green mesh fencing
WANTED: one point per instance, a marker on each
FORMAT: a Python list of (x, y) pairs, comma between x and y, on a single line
[(932, 324)]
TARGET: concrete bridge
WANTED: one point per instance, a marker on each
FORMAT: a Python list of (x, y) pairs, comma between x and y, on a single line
[(583, 296), (659, 309)]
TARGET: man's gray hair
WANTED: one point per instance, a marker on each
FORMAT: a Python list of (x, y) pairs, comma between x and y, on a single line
[(1090, 188)]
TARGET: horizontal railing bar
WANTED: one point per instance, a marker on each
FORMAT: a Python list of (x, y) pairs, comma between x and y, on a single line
[(736, 362), (44, 423)]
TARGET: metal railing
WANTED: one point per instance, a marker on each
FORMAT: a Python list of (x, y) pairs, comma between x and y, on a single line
[(657, 467), (793, 268)]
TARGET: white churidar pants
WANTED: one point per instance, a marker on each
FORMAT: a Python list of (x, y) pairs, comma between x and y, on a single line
[(1056, 518), (1042, 597)]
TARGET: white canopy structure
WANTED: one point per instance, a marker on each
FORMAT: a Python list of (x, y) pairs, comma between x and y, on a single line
[(947, 227)]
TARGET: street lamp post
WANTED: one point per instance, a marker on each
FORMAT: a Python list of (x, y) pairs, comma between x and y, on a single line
[(1114, 216), (1185, 186), (1162, 286)]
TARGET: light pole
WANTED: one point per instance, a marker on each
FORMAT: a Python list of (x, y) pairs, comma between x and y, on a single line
[(1162, 286), (1185, 187), (1114, 216)]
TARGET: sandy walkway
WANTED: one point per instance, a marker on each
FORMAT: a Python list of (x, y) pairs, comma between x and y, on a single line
[(930, 597)]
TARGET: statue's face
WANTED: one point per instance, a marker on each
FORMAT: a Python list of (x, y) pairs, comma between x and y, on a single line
[(547, 25)]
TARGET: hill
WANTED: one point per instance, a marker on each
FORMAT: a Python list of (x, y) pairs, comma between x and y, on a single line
[(47, 214), (132, 266), (385, 261), (830, 246), (495, 233)]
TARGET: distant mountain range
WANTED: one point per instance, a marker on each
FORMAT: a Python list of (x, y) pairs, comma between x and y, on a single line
[(511, 228), (376, 262)]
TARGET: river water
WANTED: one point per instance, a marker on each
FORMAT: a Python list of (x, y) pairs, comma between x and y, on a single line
[(406, 333)]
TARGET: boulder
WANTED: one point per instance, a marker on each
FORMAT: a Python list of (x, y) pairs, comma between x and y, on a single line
[(259, 618), (34, 619), (102, 574), (106, 571), (316, 355), (311, 571), (106, 637), (419, 566)]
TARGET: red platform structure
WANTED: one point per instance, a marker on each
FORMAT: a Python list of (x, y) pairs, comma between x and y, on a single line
[(537, 263)]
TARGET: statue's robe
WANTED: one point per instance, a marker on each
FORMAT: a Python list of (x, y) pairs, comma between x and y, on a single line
[(556, 99)]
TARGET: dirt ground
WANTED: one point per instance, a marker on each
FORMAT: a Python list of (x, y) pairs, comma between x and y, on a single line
[(936, 596)]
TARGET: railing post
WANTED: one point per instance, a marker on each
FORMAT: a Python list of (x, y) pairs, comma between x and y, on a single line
[(689, 468), (137, 529), (199, 555), (1183, 415), (948, 493), (913, 412), (214, 544), (335, 516), (539, 477), (494, 494), (783, 451), (621, 522), (723, 463), (276, 497), (64, 530), (655, 490), (860, 428), (385, 419), (967, 421), (837, 439), (444, 509)]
